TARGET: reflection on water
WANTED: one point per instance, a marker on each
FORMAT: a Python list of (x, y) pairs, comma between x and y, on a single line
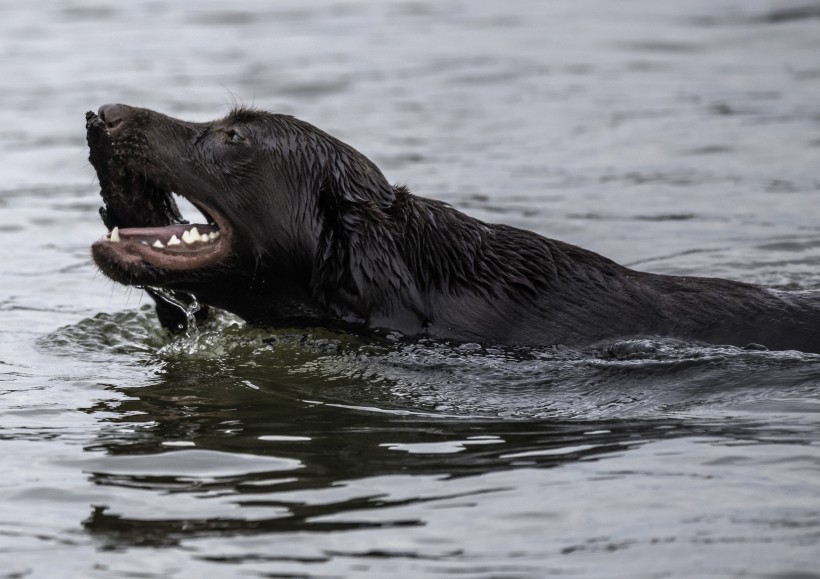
[(245, 433), (676, 137)]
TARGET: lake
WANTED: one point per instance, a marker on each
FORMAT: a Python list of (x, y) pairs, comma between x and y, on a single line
[(674, 137)]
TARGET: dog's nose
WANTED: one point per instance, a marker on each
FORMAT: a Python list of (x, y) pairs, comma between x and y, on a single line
[(113, 115)]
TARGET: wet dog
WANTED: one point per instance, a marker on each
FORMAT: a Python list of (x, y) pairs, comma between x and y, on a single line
[(301, 229)]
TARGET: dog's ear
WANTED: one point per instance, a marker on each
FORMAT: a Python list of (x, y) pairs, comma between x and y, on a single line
[(358, 261)]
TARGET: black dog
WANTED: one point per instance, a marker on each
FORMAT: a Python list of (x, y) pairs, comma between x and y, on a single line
[(304, 230)]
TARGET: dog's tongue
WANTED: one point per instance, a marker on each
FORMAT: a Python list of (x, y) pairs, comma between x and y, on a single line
[(166, 232)]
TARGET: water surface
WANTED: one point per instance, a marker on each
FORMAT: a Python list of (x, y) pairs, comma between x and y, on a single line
[(675, 137)]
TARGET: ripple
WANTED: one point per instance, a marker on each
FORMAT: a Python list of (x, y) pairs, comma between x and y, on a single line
[(130, 332)]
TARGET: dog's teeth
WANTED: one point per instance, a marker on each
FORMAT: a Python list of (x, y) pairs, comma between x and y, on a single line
[(144, 242), (158, 244), (115, 235), (191, 236), (174, 240), (206, 238)]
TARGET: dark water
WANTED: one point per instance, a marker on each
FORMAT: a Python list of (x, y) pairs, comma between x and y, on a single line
[(676, 137)]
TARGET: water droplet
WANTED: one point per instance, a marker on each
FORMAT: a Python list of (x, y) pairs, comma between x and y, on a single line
[(189, 309)]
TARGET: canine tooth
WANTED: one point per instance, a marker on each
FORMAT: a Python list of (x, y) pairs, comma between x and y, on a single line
[(158, 244), (115, 235), (174, 240)]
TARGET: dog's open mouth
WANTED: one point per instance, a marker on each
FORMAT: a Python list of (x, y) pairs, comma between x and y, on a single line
[(145, 225), (179, 246)]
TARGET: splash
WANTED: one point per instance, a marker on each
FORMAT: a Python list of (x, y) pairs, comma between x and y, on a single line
[(189, 309)]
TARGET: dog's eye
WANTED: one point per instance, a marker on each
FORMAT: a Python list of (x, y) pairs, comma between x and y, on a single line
[(234, 136)]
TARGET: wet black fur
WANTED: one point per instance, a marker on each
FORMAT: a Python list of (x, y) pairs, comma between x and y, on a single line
[(323, 239)]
